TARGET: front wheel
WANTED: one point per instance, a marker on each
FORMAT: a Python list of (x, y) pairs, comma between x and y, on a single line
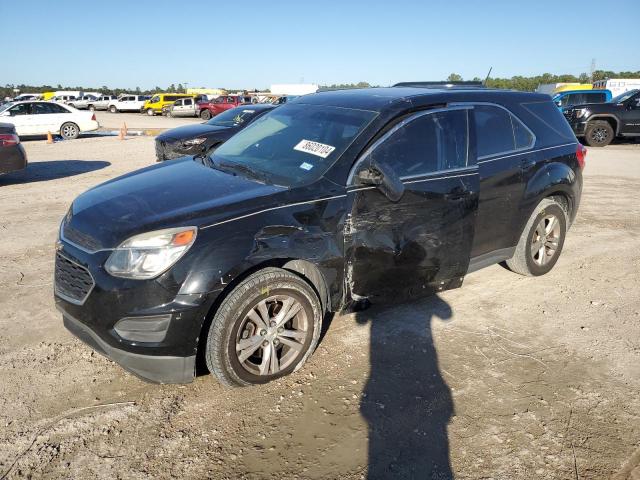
[(205, 114), (113, 109), (542, 240), (150, 112), (599, 133), (92, 108), (69, 131), (266, 328)]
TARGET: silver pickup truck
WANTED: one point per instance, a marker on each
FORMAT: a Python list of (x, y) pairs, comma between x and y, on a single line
[(101, 103)]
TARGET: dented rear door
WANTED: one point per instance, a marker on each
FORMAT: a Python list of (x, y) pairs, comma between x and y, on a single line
[(422, 243)]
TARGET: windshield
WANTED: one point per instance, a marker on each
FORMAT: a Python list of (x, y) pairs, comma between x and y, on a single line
[(154, 99), (293, 144), (624, 96), (233, 118)]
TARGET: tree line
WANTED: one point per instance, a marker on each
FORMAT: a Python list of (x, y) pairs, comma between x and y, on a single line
[(517, 82)]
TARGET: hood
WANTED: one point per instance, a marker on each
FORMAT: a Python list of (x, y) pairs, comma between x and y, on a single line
[(177, 193), (190, 131)]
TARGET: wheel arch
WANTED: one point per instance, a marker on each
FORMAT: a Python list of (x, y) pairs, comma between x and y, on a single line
[(554, 180), (303, 268)]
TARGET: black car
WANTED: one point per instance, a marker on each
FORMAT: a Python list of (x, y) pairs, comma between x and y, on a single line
[(196, 139), (600, 123), (12, 154), (326, 203)]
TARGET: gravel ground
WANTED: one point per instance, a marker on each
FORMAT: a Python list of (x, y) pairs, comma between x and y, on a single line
[(505, 378), (134, 120)]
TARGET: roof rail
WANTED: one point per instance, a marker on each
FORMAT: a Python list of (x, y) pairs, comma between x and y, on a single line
[(441, 84)]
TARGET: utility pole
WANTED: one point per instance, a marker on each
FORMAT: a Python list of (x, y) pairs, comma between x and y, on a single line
[(593, 68)]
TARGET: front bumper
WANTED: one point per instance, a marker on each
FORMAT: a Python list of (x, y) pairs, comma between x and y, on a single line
[(94, 305), (158, 369), (578, 128)]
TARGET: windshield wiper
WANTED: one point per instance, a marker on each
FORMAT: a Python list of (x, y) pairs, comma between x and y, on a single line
[(244, 169)]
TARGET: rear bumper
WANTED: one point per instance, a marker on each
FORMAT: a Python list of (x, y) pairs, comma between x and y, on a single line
[(157, 369), (12, 159)]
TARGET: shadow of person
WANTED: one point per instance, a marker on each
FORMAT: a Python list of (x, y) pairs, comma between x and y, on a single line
[(52, 170), (406, 402)]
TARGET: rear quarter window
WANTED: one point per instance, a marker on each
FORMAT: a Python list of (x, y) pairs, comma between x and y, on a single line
[(548, 123)]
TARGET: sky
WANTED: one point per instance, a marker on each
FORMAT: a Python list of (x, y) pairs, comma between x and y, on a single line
[(253, 44)]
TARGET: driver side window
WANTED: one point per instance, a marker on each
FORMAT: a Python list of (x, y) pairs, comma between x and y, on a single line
[(431, 143)]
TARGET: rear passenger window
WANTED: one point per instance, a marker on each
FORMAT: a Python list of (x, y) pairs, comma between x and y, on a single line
[(595, 97), (522, 135), (493, 130), (430, 143)]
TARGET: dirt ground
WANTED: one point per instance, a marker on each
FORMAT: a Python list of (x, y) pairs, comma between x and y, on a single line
[(505, 378), (108, 120)]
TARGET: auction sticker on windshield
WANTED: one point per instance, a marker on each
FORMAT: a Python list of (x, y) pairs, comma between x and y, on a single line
[(314, 148)]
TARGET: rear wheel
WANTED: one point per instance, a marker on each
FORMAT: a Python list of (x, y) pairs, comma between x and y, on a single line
[(205, 114), (542, 240), (266, 328), (92, 108), (599, 133), (69, 131)]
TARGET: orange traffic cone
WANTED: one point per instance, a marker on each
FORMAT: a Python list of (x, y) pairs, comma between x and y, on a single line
[(49, 137), (122, 134)]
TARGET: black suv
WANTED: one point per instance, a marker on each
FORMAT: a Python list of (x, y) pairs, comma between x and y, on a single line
[(600, 123), (332, 200)]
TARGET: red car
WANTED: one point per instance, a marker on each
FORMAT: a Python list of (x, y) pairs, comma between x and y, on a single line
[(220, 104)]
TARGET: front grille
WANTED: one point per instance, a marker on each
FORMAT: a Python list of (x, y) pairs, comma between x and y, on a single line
[(73, 282)]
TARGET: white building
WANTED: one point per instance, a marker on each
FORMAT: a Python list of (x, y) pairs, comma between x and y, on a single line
[(617, 86), (293, 88)]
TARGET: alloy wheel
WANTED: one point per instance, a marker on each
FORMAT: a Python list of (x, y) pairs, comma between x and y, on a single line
[(546, 239), (599, 135), (272, 336)]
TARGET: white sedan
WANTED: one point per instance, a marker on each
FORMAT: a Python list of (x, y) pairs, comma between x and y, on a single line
[(39, 118)]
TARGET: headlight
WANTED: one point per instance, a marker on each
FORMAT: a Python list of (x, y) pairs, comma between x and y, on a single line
[(193, 142), (582, 112), (149, 254)]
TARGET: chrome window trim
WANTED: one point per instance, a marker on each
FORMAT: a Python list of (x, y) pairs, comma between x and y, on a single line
[(397, 127), (528, 151), (513, 115)]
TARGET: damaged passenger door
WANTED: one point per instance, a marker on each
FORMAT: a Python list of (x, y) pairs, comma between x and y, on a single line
[(414, 199)]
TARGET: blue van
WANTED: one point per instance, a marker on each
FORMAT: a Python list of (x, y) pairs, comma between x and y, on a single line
[(578, 97)]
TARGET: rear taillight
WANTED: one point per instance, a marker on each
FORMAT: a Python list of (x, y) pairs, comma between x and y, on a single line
[(581, 153), (93, 117), (8, 139)]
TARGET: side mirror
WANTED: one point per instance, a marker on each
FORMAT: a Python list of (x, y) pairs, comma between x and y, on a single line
[(559, 103), (384, 178)]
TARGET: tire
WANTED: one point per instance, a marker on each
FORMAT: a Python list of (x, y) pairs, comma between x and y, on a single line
[(239, 319), (205, 115), (150, 112), (92, 108), (531, 261), (69, 131), (113, 109), (599, 133)]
